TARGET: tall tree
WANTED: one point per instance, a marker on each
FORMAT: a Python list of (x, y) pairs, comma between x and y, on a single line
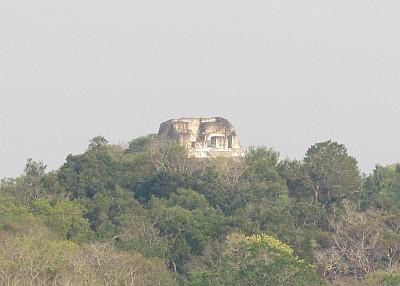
[(333, 173), (97, 142)]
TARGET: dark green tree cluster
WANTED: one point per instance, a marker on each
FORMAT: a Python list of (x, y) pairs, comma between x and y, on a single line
[(150, 215)]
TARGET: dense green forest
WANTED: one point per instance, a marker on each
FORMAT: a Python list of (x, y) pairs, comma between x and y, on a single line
[(148, 215)]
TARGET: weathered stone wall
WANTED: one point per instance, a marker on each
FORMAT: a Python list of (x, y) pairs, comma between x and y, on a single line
[(204, 137)]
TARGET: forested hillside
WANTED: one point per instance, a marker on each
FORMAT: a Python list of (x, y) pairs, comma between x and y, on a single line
[(148, 215)]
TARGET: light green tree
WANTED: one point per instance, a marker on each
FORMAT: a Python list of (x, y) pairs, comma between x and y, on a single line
[(257, 260)]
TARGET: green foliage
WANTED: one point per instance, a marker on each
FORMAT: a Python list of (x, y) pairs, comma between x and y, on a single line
[(382, 279), (189, 223), (38, 260), (141, 144), (64, 217), (270, 216), (12, 213), (97, 143), (378, 278), (159, 185), (383, 188), (257, 260), (261, 164), (149, 215), (333, 173)]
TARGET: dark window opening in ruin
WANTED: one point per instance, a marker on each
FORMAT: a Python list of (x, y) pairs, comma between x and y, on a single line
[(214, 141), (193, 144), (230, 141)]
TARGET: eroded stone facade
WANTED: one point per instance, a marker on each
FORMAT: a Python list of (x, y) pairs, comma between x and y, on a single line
[(204, 137)]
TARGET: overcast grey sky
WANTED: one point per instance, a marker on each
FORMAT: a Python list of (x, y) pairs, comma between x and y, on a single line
[(287, 74)]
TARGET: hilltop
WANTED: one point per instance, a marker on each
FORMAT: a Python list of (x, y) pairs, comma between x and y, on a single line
[(150, 214)]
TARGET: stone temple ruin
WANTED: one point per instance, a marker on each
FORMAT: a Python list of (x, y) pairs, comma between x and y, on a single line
[(204, 137)]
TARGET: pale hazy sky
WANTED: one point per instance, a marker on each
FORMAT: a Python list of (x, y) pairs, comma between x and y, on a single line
[(287, 74)]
